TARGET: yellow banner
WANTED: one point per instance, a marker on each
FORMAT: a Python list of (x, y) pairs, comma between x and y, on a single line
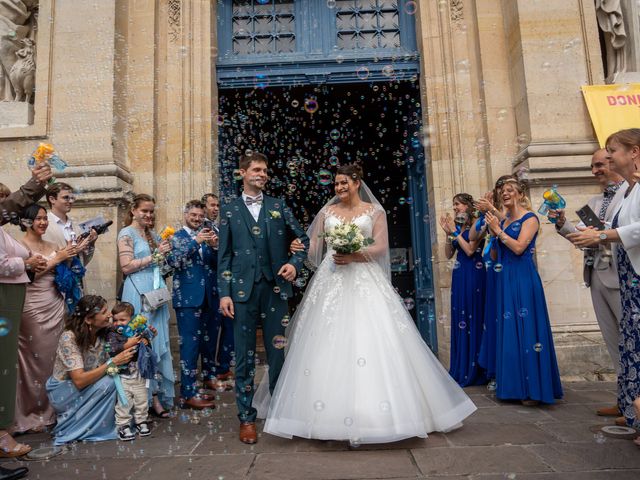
[(612, 108)]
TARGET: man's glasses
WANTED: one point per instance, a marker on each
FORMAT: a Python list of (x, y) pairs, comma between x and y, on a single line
[(68, 198)]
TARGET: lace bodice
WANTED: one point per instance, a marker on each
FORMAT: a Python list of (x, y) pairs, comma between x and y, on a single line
[(364, 222)]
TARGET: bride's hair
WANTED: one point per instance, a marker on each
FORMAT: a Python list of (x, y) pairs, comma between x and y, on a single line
[(352, 170)]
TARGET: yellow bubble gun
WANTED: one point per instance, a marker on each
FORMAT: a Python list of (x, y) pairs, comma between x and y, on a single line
[(552, 201), (46, 153)]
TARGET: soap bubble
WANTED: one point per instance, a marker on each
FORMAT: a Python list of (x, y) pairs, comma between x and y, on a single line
[(409, 303), (334, 134), (311, 105), (537, 347), (410, 7), (497, 267), (333, 160), (279, 342), (256, 230), (5, 327), (599, 438), (523, 312), (331, 4), (285, 321), (462, 325), (276, 289), (348, 421), (306, 372), (324, 177), (362, 73), (385, 406), (361, 362), (295, 103), (318, 405)]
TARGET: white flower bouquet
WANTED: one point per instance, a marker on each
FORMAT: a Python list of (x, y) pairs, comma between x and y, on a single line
[(346, 238)]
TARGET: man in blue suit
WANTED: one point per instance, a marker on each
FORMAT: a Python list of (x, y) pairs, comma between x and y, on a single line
[(194, 297), (255, 272)]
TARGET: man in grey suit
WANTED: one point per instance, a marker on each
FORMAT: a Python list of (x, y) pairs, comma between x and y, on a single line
[(600, 272)]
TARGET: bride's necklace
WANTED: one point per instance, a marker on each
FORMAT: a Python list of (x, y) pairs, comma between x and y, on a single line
[(37, 246)]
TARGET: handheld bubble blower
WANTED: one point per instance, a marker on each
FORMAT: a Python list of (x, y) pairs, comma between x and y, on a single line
[(552, 201), (46, 153)]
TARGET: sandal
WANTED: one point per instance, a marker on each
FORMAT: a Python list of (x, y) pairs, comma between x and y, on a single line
[(18, 450), (636, 441), (163, 414)]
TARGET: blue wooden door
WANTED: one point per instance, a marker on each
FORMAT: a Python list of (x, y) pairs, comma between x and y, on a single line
[(279, 43)]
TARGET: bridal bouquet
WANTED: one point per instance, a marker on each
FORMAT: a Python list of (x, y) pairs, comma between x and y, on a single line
[(346, 238)]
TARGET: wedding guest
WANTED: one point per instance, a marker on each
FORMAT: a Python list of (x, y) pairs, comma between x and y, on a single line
[(141, 252), (41, 325), (526, 365), (491, 202), (79, 391), (29, 193), (134, 386), (599, 272), (623, 148), (224, 342), (61, 198), (467, 292), (4, 191), (194, 297), (16, 264)]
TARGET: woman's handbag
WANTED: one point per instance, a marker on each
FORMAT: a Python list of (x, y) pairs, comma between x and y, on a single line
[(155, 299)]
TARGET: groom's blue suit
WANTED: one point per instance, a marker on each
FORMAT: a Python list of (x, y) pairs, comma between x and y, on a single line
[(249, 257)]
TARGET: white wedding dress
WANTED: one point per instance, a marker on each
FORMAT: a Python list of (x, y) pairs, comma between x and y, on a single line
[(356, 368)]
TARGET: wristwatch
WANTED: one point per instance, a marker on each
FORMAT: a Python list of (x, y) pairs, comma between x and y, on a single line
[(602, 236)]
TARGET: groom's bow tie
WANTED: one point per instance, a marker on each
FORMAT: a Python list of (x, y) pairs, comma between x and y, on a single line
[(251, 200)]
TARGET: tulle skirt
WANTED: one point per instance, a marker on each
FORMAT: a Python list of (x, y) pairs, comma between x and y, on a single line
[(356, 367)]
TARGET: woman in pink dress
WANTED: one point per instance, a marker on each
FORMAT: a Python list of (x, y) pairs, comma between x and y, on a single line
[(40, 327)]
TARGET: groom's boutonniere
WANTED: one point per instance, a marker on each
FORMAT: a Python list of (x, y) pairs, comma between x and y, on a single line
[(274, 214)]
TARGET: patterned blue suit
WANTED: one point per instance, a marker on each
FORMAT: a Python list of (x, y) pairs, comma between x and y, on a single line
[(196, 302)]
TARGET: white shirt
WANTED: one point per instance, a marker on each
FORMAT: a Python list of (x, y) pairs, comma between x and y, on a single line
[(65, 227), (629, 226), (254, 208)]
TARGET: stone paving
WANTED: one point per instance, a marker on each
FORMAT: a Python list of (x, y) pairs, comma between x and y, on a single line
[(500, 441)]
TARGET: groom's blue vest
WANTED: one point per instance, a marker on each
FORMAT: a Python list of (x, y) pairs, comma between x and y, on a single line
[(262, 249)]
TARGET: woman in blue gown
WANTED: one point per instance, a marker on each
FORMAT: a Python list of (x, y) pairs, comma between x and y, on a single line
[(526, 365), (491, 202), (79, 390), (467, 293), (141, 252)]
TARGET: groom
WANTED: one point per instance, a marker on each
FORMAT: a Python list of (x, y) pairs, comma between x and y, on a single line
[(254, 275)]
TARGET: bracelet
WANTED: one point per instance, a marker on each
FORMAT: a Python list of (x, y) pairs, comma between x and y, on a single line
[(500, 235)]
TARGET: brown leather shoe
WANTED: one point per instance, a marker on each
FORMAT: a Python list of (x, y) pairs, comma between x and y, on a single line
[(248, 433), (197, 403), (225, 376), (621, 422), (609, 411), (212, 384)]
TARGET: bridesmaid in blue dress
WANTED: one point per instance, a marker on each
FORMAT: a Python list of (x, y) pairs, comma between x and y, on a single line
[(79, 390), (140, 250), (467, 293), (526, 365), (491, 202)]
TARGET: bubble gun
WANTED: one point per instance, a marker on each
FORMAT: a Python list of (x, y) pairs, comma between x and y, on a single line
[(46, 153), (552, 201)]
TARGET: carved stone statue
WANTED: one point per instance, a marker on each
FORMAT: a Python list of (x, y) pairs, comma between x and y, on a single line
[(619, 20), (18, 26)]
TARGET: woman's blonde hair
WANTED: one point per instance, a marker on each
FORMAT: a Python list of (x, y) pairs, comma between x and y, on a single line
[(524, 201)]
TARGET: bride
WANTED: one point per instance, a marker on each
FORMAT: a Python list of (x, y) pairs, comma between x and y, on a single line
[(357, 368)]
